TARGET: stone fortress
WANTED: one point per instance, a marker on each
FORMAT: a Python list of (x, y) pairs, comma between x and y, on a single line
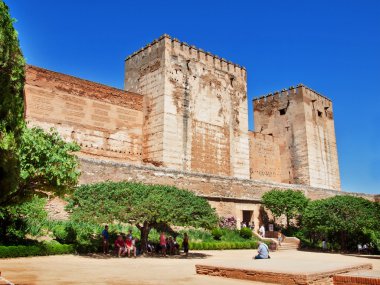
[(183, 120)]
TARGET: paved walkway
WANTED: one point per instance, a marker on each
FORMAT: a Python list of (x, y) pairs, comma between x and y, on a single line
[(69, 269)]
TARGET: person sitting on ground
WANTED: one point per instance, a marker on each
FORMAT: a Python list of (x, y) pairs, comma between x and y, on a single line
[(106, 237), (119, 246), (263, 251), (185, 244), (129, 246), (163, 244), (176, 246)]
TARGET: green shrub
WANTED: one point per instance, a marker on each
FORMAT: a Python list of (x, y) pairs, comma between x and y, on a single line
[(50, 248), (217, 233), (220, 245), (246, 233)]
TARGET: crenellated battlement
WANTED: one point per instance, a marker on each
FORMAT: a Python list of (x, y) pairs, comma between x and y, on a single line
[(299, 89), (193, 52)]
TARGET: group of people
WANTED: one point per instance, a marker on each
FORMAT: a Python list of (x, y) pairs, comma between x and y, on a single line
[(171, 246), (131, 245), (122, 247)]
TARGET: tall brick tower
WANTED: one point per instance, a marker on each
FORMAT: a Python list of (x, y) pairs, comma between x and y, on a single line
[(196, 115), (302, 121)]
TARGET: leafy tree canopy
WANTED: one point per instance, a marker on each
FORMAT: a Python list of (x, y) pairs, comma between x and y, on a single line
[(285, 202), (11, 100), (147, 206), (342, 218), (46, 164)]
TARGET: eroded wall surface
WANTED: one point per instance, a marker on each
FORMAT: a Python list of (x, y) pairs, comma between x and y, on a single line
[(302, 121), (283, 116), (264, 157), (202, 102), (321, 141), (144, 74), (105, 121)]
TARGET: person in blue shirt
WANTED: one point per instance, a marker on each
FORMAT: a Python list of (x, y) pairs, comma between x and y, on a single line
[(106, 237), (263, 251)]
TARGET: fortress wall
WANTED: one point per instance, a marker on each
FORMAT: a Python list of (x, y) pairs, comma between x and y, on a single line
[(264, 159), (144, 74), (228, 194), (207, 104), (282, 115), (321, 141), (105, 121), (200, 101)]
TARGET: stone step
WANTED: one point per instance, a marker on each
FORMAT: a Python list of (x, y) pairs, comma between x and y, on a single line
[(287, 246)]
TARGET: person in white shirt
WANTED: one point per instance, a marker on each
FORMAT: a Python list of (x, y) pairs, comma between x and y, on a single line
[(262, 231)]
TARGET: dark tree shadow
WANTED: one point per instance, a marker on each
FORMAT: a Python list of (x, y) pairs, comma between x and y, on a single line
[(192, 255)]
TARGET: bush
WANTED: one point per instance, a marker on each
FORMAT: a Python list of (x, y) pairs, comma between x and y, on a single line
[(217, 233), (215, 245), (246, 233), (50, 248)]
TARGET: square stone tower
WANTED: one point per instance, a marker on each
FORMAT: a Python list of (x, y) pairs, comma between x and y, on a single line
[(196, 113), (302, 121)]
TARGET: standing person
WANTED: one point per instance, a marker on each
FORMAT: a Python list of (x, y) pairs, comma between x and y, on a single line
[(185, 244), (263, 251), (324, 245), (163, 243), (280, 238), (129, 235), (262, 231), (106, 237), (119, 246)]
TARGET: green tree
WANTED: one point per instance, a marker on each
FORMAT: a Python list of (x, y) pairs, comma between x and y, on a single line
[(30, 160), (46, 164), (347, 220), (11, 102), (285, 202), (146, 206)]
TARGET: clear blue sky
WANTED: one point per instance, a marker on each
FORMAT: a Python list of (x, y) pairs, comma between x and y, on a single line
[(331, 46)]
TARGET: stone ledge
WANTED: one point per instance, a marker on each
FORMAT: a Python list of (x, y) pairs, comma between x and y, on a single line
[(277, 277), (358, 278)]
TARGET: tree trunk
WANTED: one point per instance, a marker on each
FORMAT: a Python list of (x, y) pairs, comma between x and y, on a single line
[(144, 231), (287, 221)]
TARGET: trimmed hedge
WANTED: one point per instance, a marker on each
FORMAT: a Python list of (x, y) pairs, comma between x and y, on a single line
[(51, 248), (223, 245)]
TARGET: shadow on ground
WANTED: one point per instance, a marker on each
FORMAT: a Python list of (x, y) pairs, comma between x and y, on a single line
[(365, 256), (192, 255), (368, 256)]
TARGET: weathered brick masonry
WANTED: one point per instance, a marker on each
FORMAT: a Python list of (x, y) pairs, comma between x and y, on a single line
[(184, 121), (105, 121)]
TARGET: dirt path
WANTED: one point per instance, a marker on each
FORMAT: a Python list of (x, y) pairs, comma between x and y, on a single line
[(70, 269)]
